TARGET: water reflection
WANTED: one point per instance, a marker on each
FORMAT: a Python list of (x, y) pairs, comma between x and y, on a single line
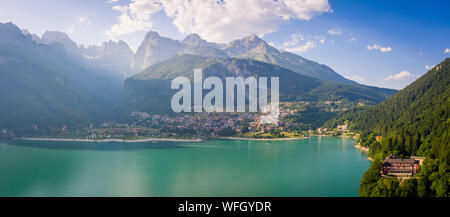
[(103, 146), (210, 168)]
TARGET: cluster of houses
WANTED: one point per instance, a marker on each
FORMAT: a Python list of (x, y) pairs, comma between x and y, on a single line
[(163, 125), (216, 122), (144, 124), (326, 131), (257, 126)]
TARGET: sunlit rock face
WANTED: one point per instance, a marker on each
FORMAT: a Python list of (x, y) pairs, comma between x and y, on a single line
[(113, 57), (155, 49)]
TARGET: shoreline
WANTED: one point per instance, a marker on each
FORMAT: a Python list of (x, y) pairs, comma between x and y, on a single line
[(111, 140), (256, 139), (165, 139), (363, 149)]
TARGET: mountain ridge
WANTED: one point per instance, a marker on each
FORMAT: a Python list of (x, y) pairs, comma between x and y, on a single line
[(250, 47), (90, 86), (42, 88), (144, 89), (156, 48)]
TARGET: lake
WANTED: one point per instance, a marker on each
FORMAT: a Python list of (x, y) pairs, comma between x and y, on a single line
[(315, 166)]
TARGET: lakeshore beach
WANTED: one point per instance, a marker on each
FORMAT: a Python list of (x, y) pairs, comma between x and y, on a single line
[(361, 148), (256, 139), (112, 140)]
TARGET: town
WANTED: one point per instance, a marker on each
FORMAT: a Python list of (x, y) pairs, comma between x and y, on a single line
[(296, 119)]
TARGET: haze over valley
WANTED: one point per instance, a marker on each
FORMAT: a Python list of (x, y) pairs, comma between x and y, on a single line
[(50, 82)]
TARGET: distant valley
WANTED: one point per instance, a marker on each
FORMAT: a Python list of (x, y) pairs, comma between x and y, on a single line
[(50, 83)]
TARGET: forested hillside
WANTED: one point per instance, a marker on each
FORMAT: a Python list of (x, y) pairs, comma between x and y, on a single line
[(150, 90), (413, 122)]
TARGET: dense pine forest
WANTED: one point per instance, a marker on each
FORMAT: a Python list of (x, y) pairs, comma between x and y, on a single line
[(413, 122)]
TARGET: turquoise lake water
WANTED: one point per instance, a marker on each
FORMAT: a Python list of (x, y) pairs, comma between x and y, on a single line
[(315, 166)]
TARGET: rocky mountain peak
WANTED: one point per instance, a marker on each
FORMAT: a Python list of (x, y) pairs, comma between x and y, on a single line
[(10, 32), (192, 39), (152, 35), (50, 37), (244, 45)]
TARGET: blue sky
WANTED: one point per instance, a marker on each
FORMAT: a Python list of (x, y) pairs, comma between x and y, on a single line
[(375, 42)]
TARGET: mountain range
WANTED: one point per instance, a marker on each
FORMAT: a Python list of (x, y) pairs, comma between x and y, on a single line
[(117, 59), (42, 86), (148, 91), (156, 49), (51, 81)]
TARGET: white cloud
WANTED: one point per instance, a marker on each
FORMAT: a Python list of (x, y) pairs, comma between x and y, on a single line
[(385, 49), (112, 1), (128, 23), (356, 78), (79, 21), (302, 48), (71, 29), (83, 19), (351, 39), (400, 76), (428, 67), (219, 21), (335, 31), (447, 50), (297, 43), (320, 38), (378, 47), (294, 39), (373, 47)]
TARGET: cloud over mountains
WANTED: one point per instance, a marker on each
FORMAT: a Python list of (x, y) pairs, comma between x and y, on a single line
[(400, 76), (217, 21)]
